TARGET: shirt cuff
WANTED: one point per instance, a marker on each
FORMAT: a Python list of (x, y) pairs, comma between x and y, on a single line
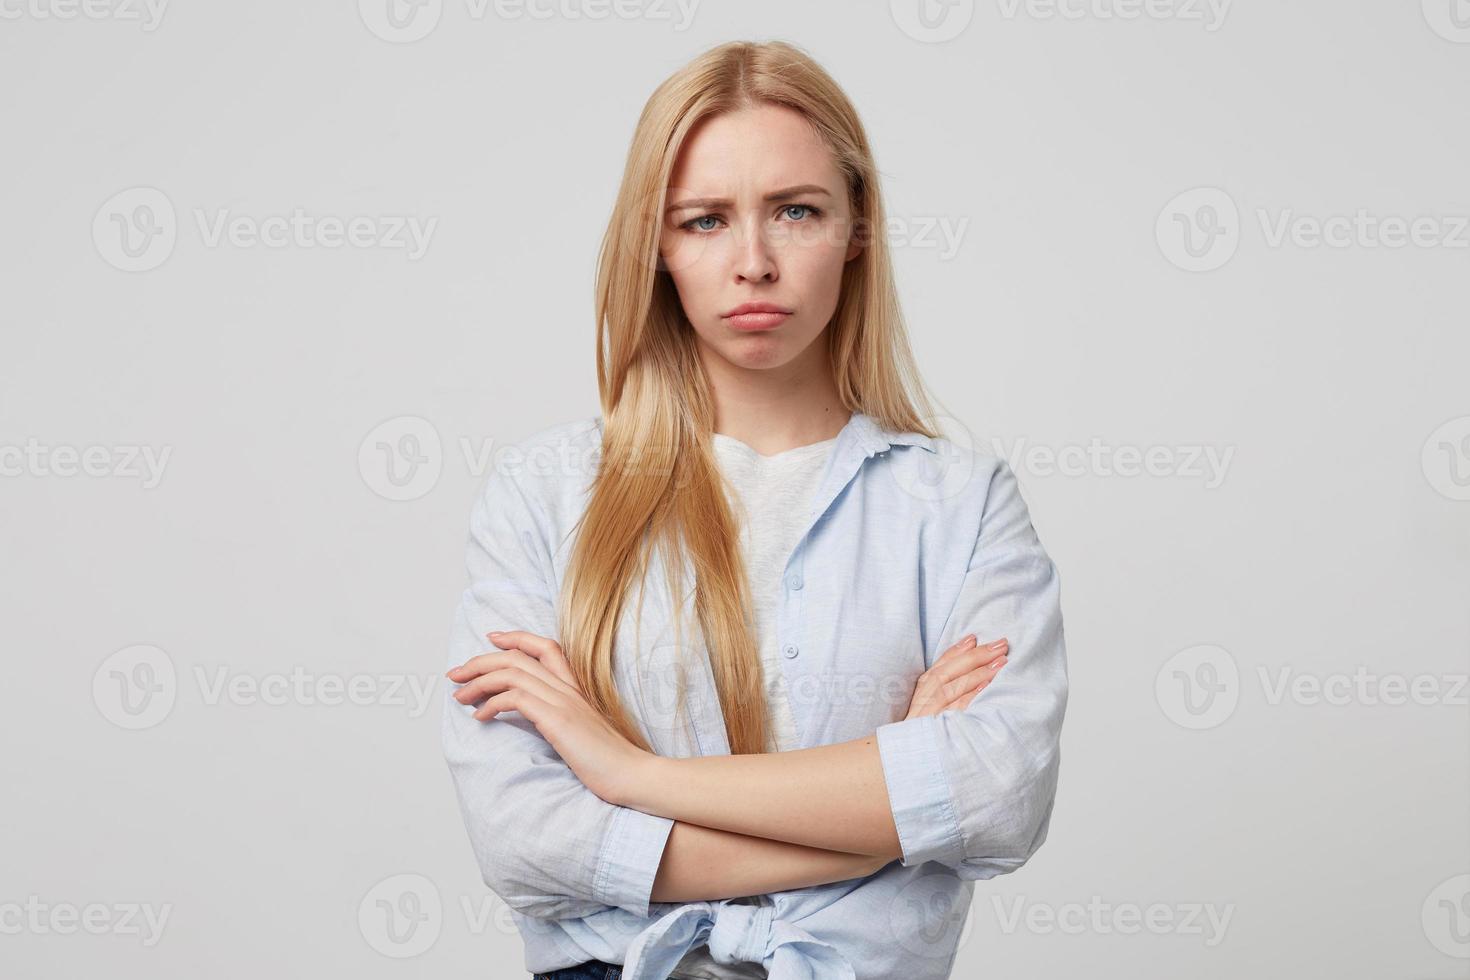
[(918, 791), (631, 853)]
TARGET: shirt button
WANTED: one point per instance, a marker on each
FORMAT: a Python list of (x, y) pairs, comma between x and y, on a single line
[(791, 650), (794, 582)]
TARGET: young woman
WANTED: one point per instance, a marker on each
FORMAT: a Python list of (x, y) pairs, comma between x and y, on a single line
[(789, 770)]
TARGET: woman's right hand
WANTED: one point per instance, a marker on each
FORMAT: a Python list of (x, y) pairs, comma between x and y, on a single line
[(960, 673)]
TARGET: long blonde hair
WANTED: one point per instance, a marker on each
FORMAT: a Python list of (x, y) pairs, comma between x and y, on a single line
[(658, 482)]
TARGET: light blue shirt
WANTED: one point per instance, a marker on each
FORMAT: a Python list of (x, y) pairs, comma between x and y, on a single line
[(913, 542)]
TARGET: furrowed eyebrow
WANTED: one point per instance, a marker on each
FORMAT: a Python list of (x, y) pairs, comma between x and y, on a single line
[(784, 194)]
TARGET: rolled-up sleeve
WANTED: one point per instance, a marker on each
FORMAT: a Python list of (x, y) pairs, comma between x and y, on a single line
[(547, 845), (973, 789)]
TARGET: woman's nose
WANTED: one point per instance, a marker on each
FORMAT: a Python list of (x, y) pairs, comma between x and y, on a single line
[(755, 259)]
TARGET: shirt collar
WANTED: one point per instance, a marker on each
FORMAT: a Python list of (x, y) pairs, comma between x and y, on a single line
[(874, 438), (868, 434)]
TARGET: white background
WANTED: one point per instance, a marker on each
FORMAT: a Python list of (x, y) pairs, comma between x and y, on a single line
[(1065, 313)]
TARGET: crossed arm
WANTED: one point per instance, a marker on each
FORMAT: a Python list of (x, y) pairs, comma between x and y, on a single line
[(776, 821), (704, 864), (969, 789), (754, 824), (829, 796), (740, 824)]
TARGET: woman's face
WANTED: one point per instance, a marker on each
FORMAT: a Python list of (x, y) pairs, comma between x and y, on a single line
[(757, 212)]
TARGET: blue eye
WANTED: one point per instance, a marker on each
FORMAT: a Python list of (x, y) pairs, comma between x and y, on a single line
[(689, 225), (694, 225)]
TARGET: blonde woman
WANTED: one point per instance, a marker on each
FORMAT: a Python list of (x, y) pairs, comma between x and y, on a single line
[(852, 710)]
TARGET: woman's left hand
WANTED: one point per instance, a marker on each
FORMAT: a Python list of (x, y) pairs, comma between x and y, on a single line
[(531, 675)]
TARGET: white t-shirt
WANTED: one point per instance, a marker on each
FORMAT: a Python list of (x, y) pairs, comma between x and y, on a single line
[(771, 500)]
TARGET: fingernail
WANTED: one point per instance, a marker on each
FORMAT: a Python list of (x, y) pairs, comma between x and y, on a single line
[(496, 633), (1000, 644), (969, 641), (999, 662)]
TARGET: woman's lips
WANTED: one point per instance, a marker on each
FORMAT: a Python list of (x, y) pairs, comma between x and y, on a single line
[(756, 321)]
